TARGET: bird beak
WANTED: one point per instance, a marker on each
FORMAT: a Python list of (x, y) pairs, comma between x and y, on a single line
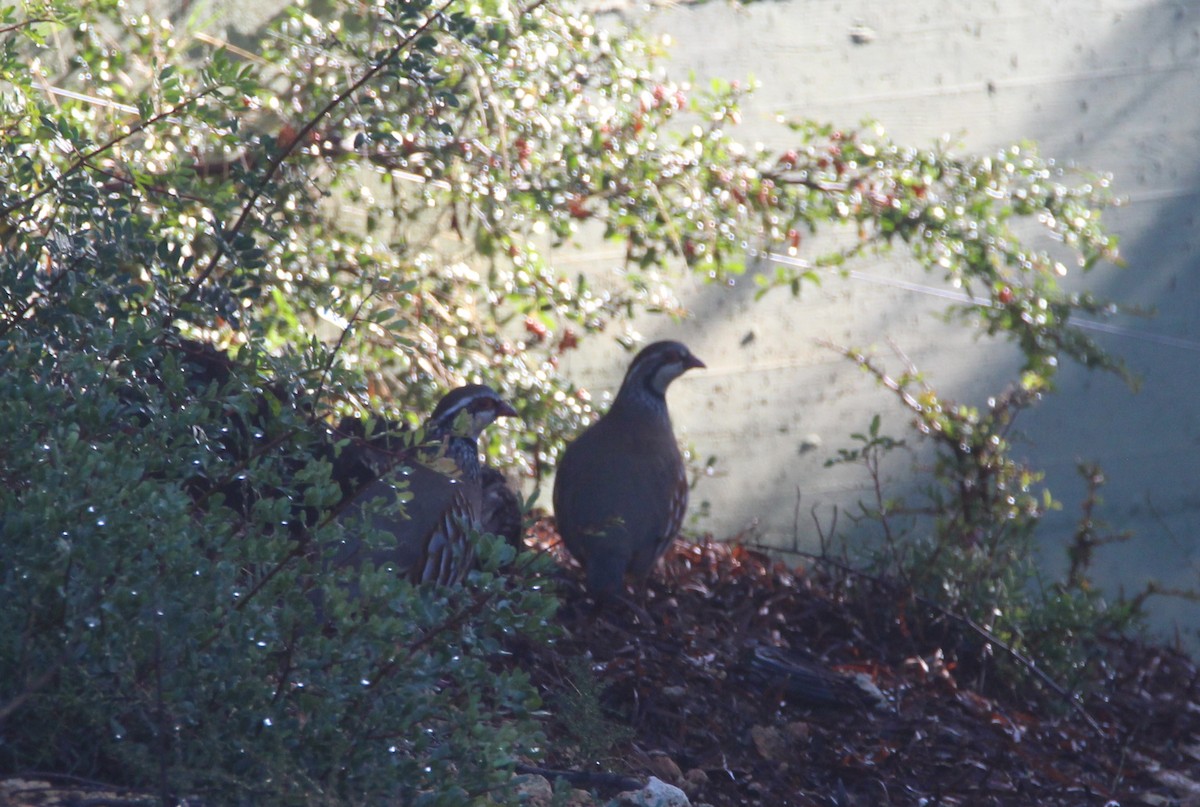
[(504, 410), (690, 362)]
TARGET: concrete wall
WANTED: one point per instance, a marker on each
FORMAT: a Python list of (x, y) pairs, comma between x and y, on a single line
[(1111, 85), (1108, 84)]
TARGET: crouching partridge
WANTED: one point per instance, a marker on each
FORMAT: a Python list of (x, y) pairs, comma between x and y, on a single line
[(442, 474), (620, 490)]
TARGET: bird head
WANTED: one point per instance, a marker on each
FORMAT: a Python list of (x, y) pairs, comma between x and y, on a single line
[(657, 365), (467, 411)]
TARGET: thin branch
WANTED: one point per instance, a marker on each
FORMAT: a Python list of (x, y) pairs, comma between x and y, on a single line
[(118, 179), (829, 188), (16, 26), (84, 159), (862, 360), (327, 370), (301, 136)]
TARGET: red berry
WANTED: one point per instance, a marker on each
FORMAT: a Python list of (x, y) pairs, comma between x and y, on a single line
[(578, 208), (536, 328)]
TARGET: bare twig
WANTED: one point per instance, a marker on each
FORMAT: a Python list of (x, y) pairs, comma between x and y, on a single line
[(85, 159), (16, 26), (287, 148), (119, 179)]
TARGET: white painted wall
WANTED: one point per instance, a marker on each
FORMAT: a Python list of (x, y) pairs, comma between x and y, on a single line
[(1111, 85)]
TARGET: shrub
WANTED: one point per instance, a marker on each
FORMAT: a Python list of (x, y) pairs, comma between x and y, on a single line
[(364, 210)]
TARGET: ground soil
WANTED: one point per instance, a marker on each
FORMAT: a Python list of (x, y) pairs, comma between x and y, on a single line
[(747, 682)]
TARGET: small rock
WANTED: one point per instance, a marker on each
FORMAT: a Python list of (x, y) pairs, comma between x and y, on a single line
[(809, 442), (580, 798), (861, 34), (656, 793), (873, 693), (798, 731), (535, 791), (770, 743), (665, 768), (694, 781)]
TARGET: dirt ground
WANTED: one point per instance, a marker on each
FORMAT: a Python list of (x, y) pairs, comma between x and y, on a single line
[(751, 683)]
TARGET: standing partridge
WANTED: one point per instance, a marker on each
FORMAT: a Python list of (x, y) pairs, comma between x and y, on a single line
[(441, 474), (620, 491)]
